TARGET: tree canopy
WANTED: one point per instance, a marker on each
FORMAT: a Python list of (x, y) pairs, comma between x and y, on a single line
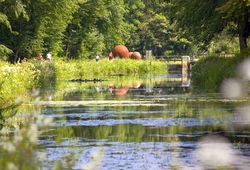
[(203, 20), (85, 28)]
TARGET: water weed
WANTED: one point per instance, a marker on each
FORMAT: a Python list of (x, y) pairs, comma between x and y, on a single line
[(19, 139)]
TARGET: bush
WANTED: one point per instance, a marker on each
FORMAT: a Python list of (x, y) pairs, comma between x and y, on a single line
[(15, 80), (208, 73)]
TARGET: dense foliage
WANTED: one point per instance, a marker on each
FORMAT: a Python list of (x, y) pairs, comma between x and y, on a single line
[(203, 20), (209, 72), (17, 80), (84, 28)]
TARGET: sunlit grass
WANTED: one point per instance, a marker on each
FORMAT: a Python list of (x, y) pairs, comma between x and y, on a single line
[(209, 73), (17, 80), (90, 69)]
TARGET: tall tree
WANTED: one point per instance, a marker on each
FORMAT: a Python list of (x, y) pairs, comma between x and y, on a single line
[(12, 17), (155, 30), (205, 19), (96, 27)]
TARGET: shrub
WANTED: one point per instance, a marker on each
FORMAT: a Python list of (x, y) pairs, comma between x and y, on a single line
[(208, 73)]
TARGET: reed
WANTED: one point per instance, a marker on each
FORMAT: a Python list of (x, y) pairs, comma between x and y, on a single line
[(89, 69), (208, 73), (17, 80)]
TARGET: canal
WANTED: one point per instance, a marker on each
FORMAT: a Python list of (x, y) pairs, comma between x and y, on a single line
[(155, 122)]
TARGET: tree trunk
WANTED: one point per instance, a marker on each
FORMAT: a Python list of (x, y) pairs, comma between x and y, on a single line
[(243, 41), (243, 30)]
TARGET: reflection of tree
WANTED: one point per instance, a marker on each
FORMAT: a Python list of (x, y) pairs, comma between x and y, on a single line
[(138, 132), (6, 114), (16, 116), (118, 85)]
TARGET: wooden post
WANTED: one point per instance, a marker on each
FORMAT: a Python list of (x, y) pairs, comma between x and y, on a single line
[(148, 54), (185, 60)]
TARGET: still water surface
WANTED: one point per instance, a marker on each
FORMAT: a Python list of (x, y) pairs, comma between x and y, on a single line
[(142, 125)]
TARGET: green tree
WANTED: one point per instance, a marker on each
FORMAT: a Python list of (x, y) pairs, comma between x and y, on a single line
[(205, 19), (28, 27), (95, 28), (154, 30), (12, 15)]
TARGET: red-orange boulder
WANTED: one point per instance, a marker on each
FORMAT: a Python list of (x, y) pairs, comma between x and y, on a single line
[(130, 54), (120, 51), (135, 55)]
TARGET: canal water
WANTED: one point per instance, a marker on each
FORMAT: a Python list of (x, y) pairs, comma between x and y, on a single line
[(153, 123)]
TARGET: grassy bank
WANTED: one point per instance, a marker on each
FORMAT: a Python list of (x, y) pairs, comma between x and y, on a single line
[(17, 80), (90, 69), (208, 73)]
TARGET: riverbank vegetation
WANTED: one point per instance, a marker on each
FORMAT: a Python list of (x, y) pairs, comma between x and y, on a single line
[(17, 80), (74, 32), (209, 72), (83, 29), (90, 69)]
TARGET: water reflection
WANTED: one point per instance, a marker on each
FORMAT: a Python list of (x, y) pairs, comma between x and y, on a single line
[(118, 91), (151, 123), (158, 123)]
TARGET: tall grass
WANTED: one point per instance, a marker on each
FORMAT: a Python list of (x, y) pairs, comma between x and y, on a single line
[(17, 80), (18, 145), (19, 137), (14, 82), (90, 69), (208, 73)]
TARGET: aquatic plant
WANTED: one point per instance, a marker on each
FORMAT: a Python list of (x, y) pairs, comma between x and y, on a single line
[(18, 145), (15, 80)]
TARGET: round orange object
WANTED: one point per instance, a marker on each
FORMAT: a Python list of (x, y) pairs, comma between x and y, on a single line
[(135, 55), (120, 51), (130, 54)]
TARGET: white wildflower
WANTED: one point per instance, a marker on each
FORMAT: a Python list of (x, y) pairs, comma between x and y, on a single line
[(244, 69), (232, 88), (18, 100), (11, 166), (96, 159), (214, 152), (47, 121), (8, 146), (35, 92), (33, 133)]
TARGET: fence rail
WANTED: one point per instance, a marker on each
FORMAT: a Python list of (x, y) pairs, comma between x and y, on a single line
[(194, 56)]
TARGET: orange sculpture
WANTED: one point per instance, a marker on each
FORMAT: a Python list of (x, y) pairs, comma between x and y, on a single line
[(130, 54), (135, 55), (120, 51)]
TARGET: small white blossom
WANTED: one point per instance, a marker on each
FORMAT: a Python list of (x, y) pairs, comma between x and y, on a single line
[(33, 133), (8, 146), (96, 159), (232, 88), (11, 166), (244, 69), (214, 152)]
